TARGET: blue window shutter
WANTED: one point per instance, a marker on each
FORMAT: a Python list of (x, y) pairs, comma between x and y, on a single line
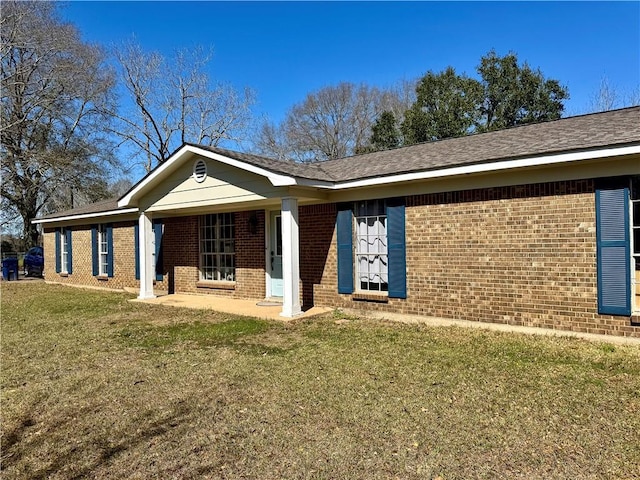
[(157, 232), (613, 251), (109, 232), (397, 251), (344, 228), (69, 251), (136, 249), (58, 266), (94, 250)]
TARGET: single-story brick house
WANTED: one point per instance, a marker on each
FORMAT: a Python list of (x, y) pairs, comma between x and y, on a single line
[(537, 225)]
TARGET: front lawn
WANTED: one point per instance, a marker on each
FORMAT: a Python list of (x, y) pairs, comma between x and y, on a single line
[(96, 386)]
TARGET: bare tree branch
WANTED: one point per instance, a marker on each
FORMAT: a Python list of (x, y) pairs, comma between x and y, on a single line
[(55, 90), (175, 103)]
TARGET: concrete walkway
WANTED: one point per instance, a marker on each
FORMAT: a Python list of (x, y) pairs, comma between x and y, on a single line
[(250, 308)]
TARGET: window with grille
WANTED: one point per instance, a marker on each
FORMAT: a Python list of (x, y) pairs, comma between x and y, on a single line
[(217, 247), (372, 273), (64, 251), (103, 251)]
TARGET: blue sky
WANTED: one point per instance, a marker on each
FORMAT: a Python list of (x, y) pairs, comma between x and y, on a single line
[(284, 50)]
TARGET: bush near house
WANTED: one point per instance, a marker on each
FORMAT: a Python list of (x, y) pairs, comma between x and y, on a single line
[(96, 386)]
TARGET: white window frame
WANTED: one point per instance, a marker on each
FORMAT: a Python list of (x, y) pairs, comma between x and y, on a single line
[(64, 251), (217, 247), (103, 251), (371, 247)]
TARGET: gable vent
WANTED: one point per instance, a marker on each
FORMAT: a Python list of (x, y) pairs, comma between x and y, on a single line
[(199, 171)]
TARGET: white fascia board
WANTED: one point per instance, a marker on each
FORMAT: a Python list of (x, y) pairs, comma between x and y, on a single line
[(85, 215), (127, 199), (279, 180), (276, 180), (492, 166)]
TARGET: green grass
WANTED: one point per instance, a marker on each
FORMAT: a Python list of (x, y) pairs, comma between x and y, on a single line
[(95, 386)]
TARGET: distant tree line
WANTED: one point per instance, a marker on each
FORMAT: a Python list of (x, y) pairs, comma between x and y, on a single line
[(347, 119)]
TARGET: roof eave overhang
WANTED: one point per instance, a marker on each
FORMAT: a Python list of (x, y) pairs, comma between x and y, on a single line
[(496, 166), (83, 216)]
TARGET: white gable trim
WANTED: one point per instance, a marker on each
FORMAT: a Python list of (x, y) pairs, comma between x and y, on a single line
[(277, 180)]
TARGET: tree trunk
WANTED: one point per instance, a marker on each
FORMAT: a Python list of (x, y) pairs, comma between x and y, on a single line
[(30, 234)]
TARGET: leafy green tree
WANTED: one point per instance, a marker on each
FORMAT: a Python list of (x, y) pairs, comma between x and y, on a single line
[(385, 133), (446, 106), (515, 94), (507, 94)]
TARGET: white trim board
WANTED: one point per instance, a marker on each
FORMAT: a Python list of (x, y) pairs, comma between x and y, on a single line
[(85, 215), (492, 167)]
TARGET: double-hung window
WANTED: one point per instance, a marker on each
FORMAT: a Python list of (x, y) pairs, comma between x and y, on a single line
[(217, 247), (63, 250), (372, 260), (102, 250)]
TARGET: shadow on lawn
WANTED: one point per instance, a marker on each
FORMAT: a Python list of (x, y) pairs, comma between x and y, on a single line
[(89, 452)]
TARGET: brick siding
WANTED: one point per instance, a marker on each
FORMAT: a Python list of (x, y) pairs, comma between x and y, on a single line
[(181, 256), (81, 258), (317, 252), (519, 255)]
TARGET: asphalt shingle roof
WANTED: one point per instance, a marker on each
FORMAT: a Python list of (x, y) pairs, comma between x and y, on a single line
[(98, 207), (572, 134), (301, 170), (616, 127)]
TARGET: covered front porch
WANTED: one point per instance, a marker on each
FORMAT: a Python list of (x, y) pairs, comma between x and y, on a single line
[(239, 236), (260, 250), (236, 306)]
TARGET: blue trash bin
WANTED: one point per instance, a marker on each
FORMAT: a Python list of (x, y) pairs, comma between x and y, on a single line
[(10, 268)]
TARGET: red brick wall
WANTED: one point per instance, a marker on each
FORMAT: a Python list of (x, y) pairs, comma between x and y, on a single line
[(180, 253), (316, 225), (181, 257), (522, 255)]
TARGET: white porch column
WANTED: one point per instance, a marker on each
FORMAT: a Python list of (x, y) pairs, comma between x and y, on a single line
[(146, 251), (290, 258)]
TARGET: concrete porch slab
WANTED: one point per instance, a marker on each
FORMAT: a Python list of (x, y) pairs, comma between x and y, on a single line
[(251, 308)]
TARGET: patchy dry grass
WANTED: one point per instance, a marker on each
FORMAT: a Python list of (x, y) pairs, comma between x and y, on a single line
[(96, 386)]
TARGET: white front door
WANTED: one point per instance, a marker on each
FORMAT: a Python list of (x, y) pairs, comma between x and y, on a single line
[(275, 252)]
